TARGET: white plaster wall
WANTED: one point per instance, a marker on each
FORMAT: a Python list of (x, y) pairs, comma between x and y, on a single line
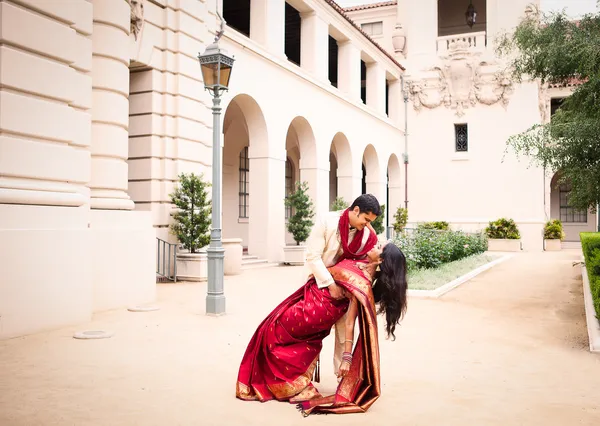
[(471, 189), (387, 15), (45, 101)]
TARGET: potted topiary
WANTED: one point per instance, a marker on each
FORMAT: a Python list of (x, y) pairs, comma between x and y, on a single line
[(377, 224), (191, 226), (299, 224), (503, 235), (400, 219), (553, 235)]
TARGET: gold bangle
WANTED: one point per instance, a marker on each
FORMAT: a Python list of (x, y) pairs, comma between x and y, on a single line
[(348, 340)]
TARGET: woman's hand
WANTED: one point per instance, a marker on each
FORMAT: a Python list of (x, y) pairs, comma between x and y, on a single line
[(344, 369)]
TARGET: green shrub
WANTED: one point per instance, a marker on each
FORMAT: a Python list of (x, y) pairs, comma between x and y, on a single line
[(192, 220), (400, 219), (503, 229), (301, 222), (440, 226), (554, 230), (427, 248), (339, 204), (377, 224), (590, 243)]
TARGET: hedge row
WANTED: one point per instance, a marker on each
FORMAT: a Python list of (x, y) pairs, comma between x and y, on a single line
[(425, 248), (590, 243)]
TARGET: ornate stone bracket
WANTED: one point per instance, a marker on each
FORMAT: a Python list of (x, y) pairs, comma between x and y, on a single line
[(137, 17), (460, 81)]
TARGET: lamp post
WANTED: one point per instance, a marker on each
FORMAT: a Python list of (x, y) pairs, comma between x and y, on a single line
[(216, 70)]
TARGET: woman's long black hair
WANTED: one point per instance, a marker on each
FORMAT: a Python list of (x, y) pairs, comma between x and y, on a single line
[(390, 287)]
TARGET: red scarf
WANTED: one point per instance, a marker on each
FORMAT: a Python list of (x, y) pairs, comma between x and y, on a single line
[(352, 251)]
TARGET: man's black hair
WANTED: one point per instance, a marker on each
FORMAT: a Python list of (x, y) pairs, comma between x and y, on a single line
[(367, 203)]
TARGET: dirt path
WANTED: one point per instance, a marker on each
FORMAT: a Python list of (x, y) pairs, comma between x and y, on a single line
[(507, 348)]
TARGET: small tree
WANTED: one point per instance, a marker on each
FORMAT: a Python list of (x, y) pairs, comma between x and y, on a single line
[(300, 222), (338, 204), (192, 220), (377, 224), (400, 219)]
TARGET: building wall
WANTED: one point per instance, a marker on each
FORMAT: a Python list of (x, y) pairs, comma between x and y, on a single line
[(96, 121), (386, 15)]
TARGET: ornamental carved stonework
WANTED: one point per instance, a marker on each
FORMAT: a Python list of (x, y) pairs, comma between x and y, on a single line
[(136, 17), (461, 80), (544, 102)]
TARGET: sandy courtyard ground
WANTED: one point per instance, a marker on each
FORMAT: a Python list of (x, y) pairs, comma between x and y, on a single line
[(507, 348)]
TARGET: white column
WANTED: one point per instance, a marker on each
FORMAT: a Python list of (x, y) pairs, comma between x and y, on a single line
[(396, 102), (318, 187), (376, 87), (378, 188), (349, 187), (349, 69), (267, 24), (421, 27), (110, 107), (314, 54), (266, 235)]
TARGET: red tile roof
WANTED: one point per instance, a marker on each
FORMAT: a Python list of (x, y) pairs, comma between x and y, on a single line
[(342, 12), (370, 6), (571, 83)]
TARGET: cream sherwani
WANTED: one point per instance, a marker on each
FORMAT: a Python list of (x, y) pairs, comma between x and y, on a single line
[(323, 249)]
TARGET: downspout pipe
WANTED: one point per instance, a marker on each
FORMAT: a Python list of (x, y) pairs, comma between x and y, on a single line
[(405, 154)]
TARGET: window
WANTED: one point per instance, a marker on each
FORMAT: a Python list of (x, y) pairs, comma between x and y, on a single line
[(555, 104), (289, 185), (461, 135), (567, 213), (373, 28), (244, 183)]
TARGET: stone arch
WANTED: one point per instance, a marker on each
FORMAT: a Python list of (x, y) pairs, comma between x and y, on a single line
[(244, 126), (375, 183), (342, 182)]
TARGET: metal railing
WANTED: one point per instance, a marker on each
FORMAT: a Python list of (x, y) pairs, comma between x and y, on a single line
[(166, 259)]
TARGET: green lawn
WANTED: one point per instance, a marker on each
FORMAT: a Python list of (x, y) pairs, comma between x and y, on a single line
[(430, 279)]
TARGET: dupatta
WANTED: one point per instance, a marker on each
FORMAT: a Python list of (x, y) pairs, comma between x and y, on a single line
[(361, 387)]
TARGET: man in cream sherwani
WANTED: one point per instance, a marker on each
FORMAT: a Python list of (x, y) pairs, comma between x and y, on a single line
[(323, 249)]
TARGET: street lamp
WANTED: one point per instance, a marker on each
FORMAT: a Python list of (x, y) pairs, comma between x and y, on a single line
[(216, 70)]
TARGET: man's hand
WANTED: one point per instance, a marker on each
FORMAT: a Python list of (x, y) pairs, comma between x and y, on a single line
[(336, 291)]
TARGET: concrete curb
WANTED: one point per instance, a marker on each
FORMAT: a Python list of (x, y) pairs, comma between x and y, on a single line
[(440, 291), (593, 325)]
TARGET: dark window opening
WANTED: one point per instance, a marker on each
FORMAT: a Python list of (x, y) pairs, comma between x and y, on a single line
[(289, 185), (461, 134), (363, 81), (293, 24), (244, 184), (555, 104), (364, 179), (387, 98), (333, 61), (237, 15), (569, 214)]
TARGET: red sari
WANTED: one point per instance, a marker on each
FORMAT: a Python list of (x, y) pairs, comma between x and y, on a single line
[(281, 357)]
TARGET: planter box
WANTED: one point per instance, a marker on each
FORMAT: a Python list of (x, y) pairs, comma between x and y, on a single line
[(504, 245), (294, 255), (192, 266), (552, 245), (232, 264)]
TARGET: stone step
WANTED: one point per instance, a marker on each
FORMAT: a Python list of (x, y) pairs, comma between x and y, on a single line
[(248, 257), (258, 265)]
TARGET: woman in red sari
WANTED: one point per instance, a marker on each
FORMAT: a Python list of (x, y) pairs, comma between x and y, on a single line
[(281, 358)]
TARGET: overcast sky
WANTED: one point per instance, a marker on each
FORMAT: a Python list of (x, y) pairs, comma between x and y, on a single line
[(574, 8)]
